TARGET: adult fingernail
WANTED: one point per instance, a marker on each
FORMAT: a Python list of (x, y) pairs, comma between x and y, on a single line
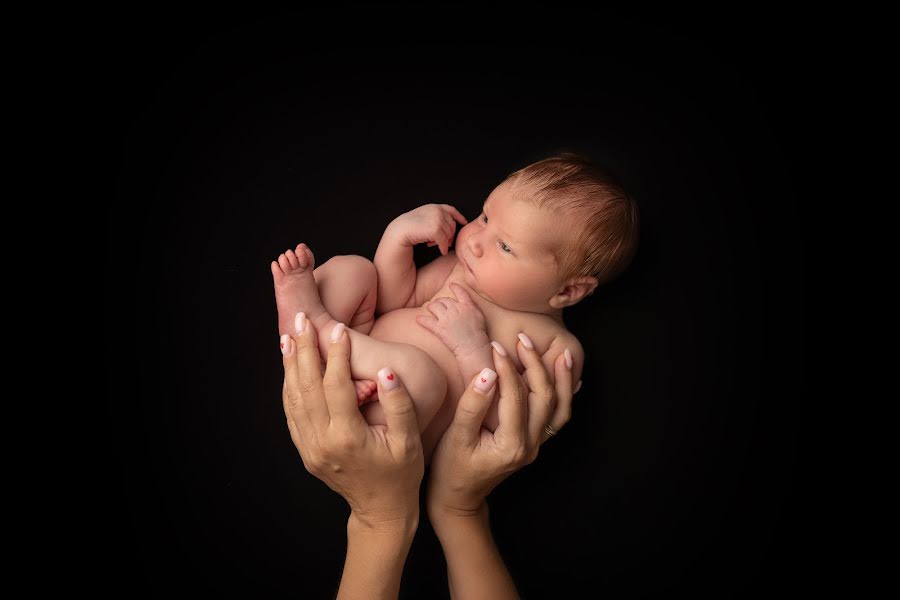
[(337, 332), (485, 380), (577, 387), (388, 379), (300, 322), (285, 345), (526, 341), (568, 358), (498, 348)]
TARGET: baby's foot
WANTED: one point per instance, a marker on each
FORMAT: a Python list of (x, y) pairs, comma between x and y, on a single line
[(295, 288), (364, 389)]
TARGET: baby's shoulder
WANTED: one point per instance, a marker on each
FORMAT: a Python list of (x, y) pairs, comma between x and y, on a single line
[(563, 337), (544, 330)]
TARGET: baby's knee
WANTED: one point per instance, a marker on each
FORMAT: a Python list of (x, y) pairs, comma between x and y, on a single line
[(360, 268)]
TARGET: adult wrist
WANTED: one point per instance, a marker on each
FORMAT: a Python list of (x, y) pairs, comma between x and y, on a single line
[(440, 513), (402, 527)]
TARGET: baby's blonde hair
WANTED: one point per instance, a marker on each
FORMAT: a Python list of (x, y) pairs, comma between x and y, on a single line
[(603, 215)]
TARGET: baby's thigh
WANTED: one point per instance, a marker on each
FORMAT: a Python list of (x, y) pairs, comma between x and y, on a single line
[(348, 287), (423, 379)]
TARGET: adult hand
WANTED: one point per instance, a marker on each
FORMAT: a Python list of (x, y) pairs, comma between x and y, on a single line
[(377, 469), (469, 461)]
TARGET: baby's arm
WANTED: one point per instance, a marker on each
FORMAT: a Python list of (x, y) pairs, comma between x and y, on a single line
[(397, 282)]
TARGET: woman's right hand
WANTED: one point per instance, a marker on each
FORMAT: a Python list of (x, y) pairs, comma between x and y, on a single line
[(469, 461)]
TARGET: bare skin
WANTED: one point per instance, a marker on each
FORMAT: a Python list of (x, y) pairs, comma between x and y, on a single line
[(293, 294)]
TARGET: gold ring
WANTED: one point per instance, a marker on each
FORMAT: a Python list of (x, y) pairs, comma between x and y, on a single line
[(550, 431)]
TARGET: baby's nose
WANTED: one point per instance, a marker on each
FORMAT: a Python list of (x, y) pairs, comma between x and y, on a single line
[(474, 246)]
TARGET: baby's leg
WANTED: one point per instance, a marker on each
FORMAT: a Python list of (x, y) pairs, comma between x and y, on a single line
[(296, 290), (348, 286)]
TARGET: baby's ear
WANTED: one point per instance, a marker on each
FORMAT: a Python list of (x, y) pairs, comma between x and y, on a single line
[(574, 292)]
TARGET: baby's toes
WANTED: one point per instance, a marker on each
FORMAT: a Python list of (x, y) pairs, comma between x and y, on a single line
[(364, 388), (305, 256), (292, 258), (285, 264)]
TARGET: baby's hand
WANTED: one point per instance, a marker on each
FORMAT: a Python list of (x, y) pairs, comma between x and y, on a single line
[(458, 323), (432, 223)]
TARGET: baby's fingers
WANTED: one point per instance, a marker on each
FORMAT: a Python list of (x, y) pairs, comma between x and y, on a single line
[(457, 216), (461, 294), (429, 323)]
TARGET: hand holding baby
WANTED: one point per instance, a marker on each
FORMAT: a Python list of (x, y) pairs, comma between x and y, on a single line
[(459, 323), (433, 223)]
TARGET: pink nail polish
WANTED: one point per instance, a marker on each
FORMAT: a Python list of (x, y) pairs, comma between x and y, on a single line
[(388, 379), (337, 332), (568, 358), (499, 348), (300, 322), (285, 345), (526, 341), (485, 380)]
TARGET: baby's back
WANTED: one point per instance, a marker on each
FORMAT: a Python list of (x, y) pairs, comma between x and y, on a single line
[(502, 326)]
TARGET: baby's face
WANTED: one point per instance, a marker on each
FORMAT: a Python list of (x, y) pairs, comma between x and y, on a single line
[(506, 253)]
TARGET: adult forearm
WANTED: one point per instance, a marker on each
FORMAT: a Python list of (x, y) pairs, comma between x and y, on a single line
[(396, 272), (375, 558), (475, 568)]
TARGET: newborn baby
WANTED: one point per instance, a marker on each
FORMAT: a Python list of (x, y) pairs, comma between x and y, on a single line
[(548, 235)]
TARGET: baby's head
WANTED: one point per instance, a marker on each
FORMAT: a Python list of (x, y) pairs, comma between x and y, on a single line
[(549, 234)]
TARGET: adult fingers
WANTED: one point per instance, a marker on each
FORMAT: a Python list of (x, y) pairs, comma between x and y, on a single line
[(340, 393), (472, 407), (512, 410), (303, 376), (562, 413), (399, 410), (542, 397), (299, 442)]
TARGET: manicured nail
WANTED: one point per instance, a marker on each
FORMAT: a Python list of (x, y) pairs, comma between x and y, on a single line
[(285, 345), (388, 380), (485, 380), (337, 332), (300, 322), (498, 348), (577, 387), (568, 358), (526, 341)]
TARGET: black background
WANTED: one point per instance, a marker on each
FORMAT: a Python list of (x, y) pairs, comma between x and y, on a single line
[(237, 139)]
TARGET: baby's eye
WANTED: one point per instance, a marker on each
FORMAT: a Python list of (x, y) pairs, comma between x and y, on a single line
[(504, 247), (484, 217)]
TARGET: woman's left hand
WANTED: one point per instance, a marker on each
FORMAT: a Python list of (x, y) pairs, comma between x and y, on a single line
[(377, 469), (469, 461)]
